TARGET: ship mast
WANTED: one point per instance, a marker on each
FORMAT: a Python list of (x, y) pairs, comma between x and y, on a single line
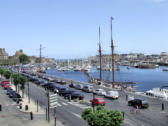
[(100, 56), (112, 56), (40, 54)]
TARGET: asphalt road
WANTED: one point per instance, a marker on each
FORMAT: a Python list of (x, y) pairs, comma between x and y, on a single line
[(69, 112)]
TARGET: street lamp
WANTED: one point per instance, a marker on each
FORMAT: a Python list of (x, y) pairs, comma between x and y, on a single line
[(93, 105), (28, 93)]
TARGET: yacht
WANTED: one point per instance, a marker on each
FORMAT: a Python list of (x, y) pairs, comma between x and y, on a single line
[(165, 69), (158, 93)]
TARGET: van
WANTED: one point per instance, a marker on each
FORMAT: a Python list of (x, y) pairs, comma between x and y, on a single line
[(112, 94)]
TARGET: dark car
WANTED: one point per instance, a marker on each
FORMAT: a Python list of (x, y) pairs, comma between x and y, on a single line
[(38, 81), (141, 103), (32, 79), (75, 95), (62, 82), (44, 84), (66, 91), (51, 86), (48, 85), (9, 90), (72, 85), (63, 90), (14, 95)]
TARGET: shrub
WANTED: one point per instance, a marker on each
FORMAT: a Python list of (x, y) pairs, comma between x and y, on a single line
[(102, 117)]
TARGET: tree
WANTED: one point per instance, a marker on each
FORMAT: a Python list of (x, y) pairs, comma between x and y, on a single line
[(102, 117), (24, 59), (22, 82), (16, 81), (2, 70), (7, 74)]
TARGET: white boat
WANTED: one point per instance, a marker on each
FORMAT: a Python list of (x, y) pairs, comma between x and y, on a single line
[(165, 69), (158, 93), (77, 68)]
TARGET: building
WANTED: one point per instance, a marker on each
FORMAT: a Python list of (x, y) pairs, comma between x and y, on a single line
[(3, 54), (17, 54)]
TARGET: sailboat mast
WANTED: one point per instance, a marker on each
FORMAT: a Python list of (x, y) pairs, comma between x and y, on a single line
[(112, 50), (100, 56)]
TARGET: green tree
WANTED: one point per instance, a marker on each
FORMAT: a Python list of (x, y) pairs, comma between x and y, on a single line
[(2, 70), (24, 59), (7, 74), (16, 81), (22, 82), (102, 117)]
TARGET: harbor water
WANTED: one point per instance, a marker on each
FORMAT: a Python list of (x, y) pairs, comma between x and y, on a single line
[(145, 79)]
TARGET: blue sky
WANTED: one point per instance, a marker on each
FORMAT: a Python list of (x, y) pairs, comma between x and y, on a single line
[(69, 28)]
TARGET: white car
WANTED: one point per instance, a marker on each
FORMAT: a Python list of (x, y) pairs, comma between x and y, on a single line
[(112, 94), (100, 92)]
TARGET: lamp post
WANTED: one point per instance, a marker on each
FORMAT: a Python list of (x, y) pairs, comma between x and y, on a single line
[(28, 93), (93, 105)]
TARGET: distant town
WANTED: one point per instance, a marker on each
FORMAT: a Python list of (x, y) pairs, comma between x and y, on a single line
[(130, 59)]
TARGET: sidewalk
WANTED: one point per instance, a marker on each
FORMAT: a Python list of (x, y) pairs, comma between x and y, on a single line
[(12, 115), (32, 106)]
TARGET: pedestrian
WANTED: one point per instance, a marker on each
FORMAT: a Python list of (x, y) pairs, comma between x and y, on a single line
[(69, 98)]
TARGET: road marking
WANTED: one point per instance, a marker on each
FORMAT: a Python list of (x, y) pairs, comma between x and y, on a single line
[(64, 103), (76, 115), (59, 105), (78, 105)]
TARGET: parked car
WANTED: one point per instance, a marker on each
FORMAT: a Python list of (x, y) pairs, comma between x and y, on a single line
[(56, 88), (65, 91), (75, 95), (141, 103), (100, 92), (79, 86), (15, 96), (32, 79), (62, 90), (62, 82), (88, 88), (38, 81), (72, 85), (9, 90), (7, 86), (5, 82), (98, 101), (112, 94), (50, 86)]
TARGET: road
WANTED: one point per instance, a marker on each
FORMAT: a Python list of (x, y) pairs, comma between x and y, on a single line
[(69, 113)]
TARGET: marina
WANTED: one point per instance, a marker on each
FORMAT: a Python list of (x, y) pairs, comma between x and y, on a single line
[(152, 78)]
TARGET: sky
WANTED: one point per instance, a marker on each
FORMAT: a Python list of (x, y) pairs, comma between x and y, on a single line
[(69, 28)]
